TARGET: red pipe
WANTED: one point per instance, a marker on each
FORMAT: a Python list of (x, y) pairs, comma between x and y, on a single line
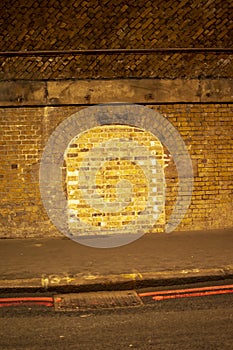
[(188, 290), (46, 301), (190, 295)]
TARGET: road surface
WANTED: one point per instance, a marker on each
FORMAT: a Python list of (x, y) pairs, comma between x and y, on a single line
[(189, 323)]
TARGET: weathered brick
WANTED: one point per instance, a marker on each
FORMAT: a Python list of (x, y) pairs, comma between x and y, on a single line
[(212, 195), (80, 24)]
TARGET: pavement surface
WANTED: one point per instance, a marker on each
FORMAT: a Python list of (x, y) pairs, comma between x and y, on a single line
[(155, 259)]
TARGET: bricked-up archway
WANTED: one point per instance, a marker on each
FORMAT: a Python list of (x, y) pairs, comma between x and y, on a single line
[(51, 184), (115, 181)]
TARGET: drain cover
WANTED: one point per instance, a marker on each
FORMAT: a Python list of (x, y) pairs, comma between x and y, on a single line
[(98, 300)]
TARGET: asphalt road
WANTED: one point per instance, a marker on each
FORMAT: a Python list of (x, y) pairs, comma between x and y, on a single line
[(192, 323)]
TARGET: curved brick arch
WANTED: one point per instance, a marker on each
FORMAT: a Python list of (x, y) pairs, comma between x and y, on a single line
[(50, 170)]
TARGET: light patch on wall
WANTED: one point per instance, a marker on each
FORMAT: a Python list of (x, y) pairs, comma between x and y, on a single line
[(110, 178)]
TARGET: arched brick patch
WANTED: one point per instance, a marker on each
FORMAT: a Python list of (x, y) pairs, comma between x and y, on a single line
[(115, 181), (136, 116)]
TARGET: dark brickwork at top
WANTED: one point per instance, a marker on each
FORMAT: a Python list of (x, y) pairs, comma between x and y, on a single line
[(95, 24)]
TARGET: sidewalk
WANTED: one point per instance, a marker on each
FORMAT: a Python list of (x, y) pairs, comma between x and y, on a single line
[(158, 259)]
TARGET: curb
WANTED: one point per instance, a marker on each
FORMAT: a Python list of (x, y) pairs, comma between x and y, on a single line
[(85, 283)]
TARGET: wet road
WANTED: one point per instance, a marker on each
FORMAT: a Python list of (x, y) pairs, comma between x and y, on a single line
[(192, 323)]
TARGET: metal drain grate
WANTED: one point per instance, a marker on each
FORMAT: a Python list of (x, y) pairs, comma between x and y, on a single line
[(98, 300)]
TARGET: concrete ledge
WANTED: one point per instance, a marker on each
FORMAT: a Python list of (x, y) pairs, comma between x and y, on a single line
[(86, 92), (17, 93), (81, 282)]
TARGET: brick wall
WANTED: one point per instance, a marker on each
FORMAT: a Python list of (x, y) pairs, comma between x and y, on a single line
[(81, 24), (205, 128), (193, 91)]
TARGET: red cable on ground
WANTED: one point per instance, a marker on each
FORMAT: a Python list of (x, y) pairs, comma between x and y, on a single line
[(159, 295), (188, 290), (45, 301), (189, 295)]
